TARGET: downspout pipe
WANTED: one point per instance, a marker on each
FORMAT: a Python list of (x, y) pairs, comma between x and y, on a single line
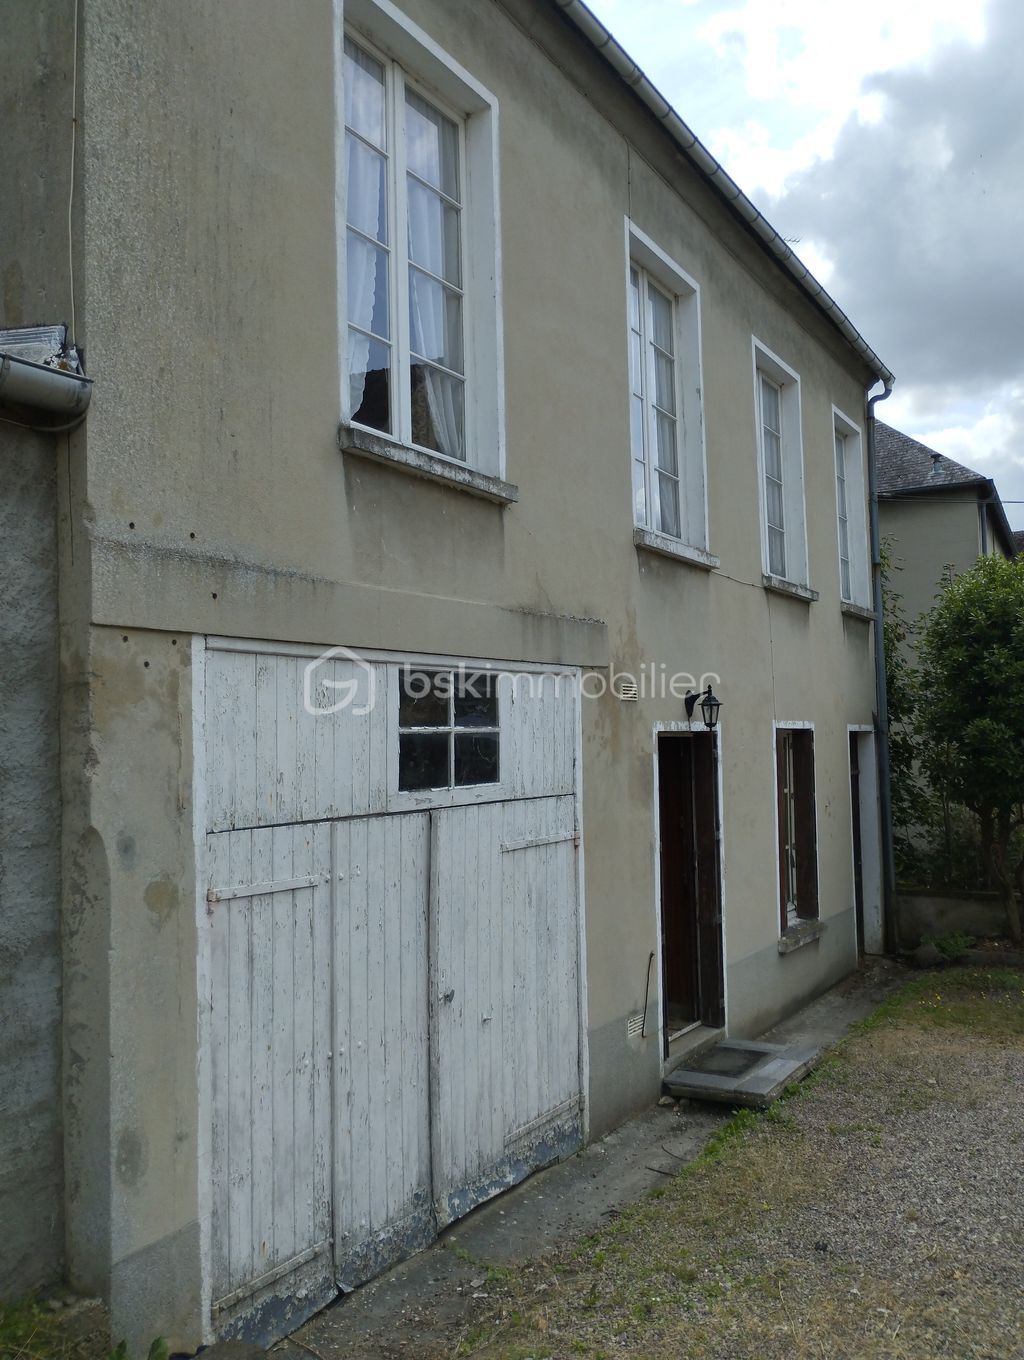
[(881, 696)]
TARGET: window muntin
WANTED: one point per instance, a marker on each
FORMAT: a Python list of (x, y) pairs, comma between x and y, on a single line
[(406, 305), (448, 729), (774, 491), (798, 849), (842, 513), (654, 405)]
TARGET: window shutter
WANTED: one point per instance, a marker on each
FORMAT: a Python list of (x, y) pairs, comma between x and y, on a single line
[(806, 834), (780, 799)]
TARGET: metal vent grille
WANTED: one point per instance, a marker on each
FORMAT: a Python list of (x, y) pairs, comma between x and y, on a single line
[(629, 692), (635, 1026)]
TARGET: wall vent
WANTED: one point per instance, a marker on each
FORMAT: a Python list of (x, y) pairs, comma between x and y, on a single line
[(629, 691), (635, 1026)]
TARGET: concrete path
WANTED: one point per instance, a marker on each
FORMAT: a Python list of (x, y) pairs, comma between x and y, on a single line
[(418, 1306)]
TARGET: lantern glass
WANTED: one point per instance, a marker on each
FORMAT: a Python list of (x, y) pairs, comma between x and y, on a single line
[(709, 707)]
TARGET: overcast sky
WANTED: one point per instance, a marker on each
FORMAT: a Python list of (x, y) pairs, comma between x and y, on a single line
[(885, 140)]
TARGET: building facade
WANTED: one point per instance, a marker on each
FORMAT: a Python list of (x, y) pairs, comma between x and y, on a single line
[(937, 517), (453, 418)]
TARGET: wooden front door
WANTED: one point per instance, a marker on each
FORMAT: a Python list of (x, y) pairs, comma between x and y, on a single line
[(693, 986)]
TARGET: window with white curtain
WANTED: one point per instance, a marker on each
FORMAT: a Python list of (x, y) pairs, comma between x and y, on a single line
[(770, 394), (666, 417), (780, 459), (851, 512), (843, 517), (653, 415), (405, 168)]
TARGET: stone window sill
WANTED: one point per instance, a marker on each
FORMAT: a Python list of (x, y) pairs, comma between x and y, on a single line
[(430, 466), (651, 541), (790, 588), (795, 937), (858, 611)]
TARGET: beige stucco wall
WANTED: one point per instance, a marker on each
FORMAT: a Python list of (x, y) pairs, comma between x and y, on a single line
[(928, 537), (212, 498)]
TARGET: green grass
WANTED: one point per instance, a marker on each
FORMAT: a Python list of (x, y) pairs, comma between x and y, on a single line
[(28, 1331), (983, 1001)]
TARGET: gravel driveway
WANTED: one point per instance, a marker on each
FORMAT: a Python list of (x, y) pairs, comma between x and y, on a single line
[(876, 1212)]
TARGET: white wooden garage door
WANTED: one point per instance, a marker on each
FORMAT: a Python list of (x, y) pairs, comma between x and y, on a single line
[(394, 1002)]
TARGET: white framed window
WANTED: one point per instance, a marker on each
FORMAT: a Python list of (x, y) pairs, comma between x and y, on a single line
[(780, 465), (666, 418), (419, 266), (851, 511)]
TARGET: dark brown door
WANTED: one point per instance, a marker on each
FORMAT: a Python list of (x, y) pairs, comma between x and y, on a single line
[(691, 910)]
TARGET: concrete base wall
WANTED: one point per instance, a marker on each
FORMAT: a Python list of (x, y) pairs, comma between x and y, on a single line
[(30, 1133), (766, 987), (921, 916)]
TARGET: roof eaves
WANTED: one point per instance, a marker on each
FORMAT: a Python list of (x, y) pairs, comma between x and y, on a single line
[(621, 62), (1002, 523), (932, 488)]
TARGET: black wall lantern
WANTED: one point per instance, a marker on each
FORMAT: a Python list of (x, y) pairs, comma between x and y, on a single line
[(709, 706)]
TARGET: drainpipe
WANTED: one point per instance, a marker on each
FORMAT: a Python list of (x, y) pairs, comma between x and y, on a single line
[(881, 698)]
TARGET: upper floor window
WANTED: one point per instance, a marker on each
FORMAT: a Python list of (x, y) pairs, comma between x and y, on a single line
[(422, 348), (770, 394), (403, 213), (653, 416), (851, 514), (780, 455), (842, 511), (666, 426)]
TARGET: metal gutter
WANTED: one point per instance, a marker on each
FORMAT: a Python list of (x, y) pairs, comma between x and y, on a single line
[(624, 65)]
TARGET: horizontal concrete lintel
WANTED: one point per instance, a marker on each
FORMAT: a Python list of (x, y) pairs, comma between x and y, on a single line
[(174, 591)]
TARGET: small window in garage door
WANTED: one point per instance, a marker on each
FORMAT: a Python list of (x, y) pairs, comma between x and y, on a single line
[(448, 728)]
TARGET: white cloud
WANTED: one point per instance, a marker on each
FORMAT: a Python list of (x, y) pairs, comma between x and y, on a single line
[(885, 141), (793, 69)]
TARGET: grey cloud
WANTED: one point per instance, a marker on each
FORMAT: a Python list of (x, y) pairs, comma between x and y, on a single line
[(922, 214), (929, 252)]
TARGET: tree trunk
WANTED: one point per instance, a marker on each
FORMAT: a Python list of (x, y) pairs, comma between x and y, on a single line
[(1003, 874), (985, 820)]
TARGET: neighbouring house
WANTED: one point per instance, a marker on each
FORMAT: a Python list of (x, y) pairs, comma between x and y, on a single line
[(938, 516), (454, 415), (1018, 540)]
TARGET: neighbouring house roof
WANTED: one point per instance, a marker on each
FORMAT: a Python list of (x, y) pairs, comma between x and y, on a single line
[(908, 468), (1018, 538), (696, 152), (905, 464)]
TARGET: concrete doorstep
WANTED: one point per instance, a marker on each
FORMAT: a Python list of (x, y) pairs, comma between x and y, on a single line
[(421, 1302)]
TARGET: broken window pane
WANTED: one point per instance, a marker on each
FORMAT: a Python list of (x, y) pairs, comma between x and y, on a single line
[(476, 758), (476, 701), (423, 698)]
